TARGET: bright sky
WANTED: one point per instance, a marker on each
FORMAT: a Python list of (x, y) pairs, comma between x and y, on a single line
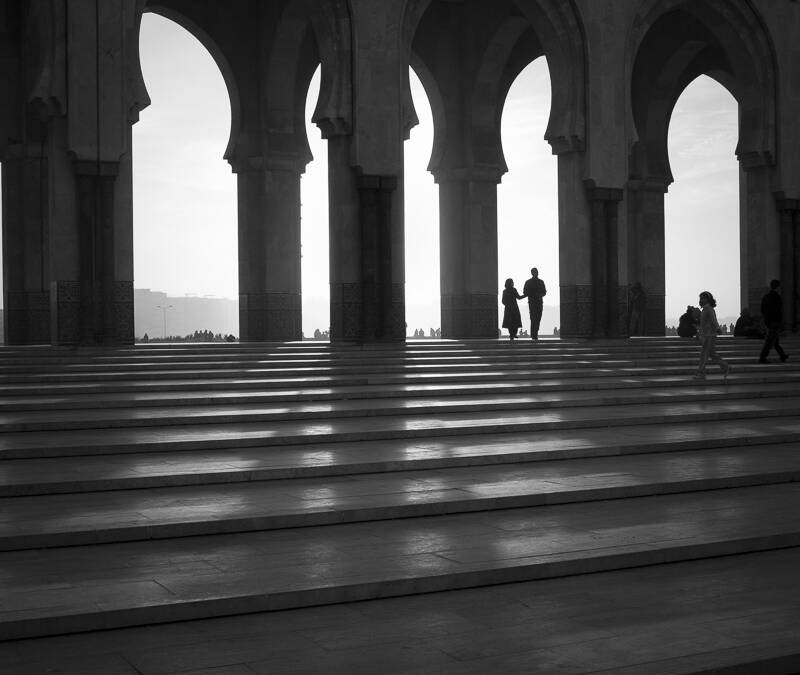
[(185, 227)]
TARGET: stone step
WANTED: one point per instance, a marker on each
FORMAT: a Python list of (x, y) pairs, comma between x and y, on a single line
[(730, 615), (315, 370), (30, 444), (523, 377), (143, 363), (108, 586), (509, 359), (316, 348), (216, 413), (234, 395), (21, 477), (159, 513), (228, 382)]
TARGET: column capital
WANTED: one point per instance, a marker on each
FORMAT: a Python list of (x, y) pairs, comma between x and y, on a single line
[(784, 203), (485, 173), (650, 184), (604, 194), (89, 168), (333, 126), (562, 145), (274, 162), (383, 183), (756, 159)]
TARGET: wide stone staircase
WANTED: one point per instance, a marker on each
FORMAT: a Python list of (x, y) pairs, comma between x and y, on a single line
[(173, 482)]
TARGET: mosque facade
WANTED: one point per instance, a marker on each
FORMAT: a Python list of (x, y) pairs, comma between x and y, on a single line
[(73, 89)]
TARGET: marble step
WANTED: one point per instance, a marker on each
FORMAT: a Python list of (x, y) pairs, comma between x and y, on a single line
[(20, 477), (134, 417), (224, 380), (358, 366), (428, 346), (287, 361), (58, 376), (227, 382), (30, 444), (82, 588), (658, 620), (159, 513), (47, 401)]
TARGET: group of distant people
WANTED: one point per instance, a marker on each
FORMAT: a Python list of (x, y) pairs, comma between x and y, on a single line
[(434, 333), (197, 336), (534, 290)]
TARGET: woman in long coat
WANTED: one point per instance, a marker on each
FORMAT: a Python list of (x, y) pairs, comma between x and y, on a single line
[(511, 316)]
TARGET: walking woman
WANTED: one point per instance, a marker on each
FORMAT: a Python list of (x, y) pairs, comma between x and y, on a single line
[(708, 337), (511, 316)]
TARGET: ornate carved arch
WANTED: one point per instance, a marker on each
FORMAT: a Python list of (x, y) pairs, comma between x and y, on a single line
[(671, 42), (220, 58), (511, 41)]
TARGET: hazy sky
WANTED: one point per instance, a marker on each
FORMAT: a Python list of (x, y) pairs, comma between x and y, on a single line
[(185, 228)]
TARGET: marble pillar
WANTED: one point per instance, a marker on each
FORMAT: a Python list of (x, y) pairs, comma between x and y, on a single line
[(25, 245), (93, 295), (606, 319), (759, 234), (468, 253), (366, 251), (269, 254), (646, 248), (574, 248), (347, 296), (789, 210)]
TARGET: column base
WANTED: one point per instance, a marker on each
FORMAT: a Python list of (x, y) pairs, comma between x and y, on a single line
[(466, 316), (27, 318), (654, 316), (270, 317), (577, 311), (347, 315)]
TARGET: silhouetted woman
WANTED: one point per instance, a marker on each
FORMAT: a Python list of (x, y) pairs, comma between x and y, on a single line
[(708, 337), (511, 316)]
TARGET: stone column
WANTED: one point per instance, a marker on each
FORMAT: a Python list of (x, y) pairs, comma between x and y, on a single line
[(605, 260), (789, 210), (574, 247), (25, 245), (366, 251), (646, 248), (383, 296), (269, 253), (347, 295), (760, 243), (468, 252), (96, 283)]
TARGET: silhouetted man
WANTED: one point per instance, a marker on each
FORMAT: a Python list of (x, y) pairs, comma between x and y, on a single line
[(772, 311), (534, 290)]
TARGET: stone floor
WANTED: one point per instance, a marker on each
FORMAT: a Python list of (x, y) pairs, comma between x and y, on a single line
[(521, 502)]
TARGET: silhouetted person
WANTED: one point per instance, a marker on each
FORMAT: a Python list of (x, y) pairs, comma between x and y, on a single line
[(709, 327), (512, 320), (687, 326), (772, 311), (534, 289), (746, 326), (637, 304)]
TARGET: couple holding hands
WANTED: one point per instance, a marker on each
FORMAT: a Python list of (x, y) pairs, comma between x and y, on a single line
[(534, 289)]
